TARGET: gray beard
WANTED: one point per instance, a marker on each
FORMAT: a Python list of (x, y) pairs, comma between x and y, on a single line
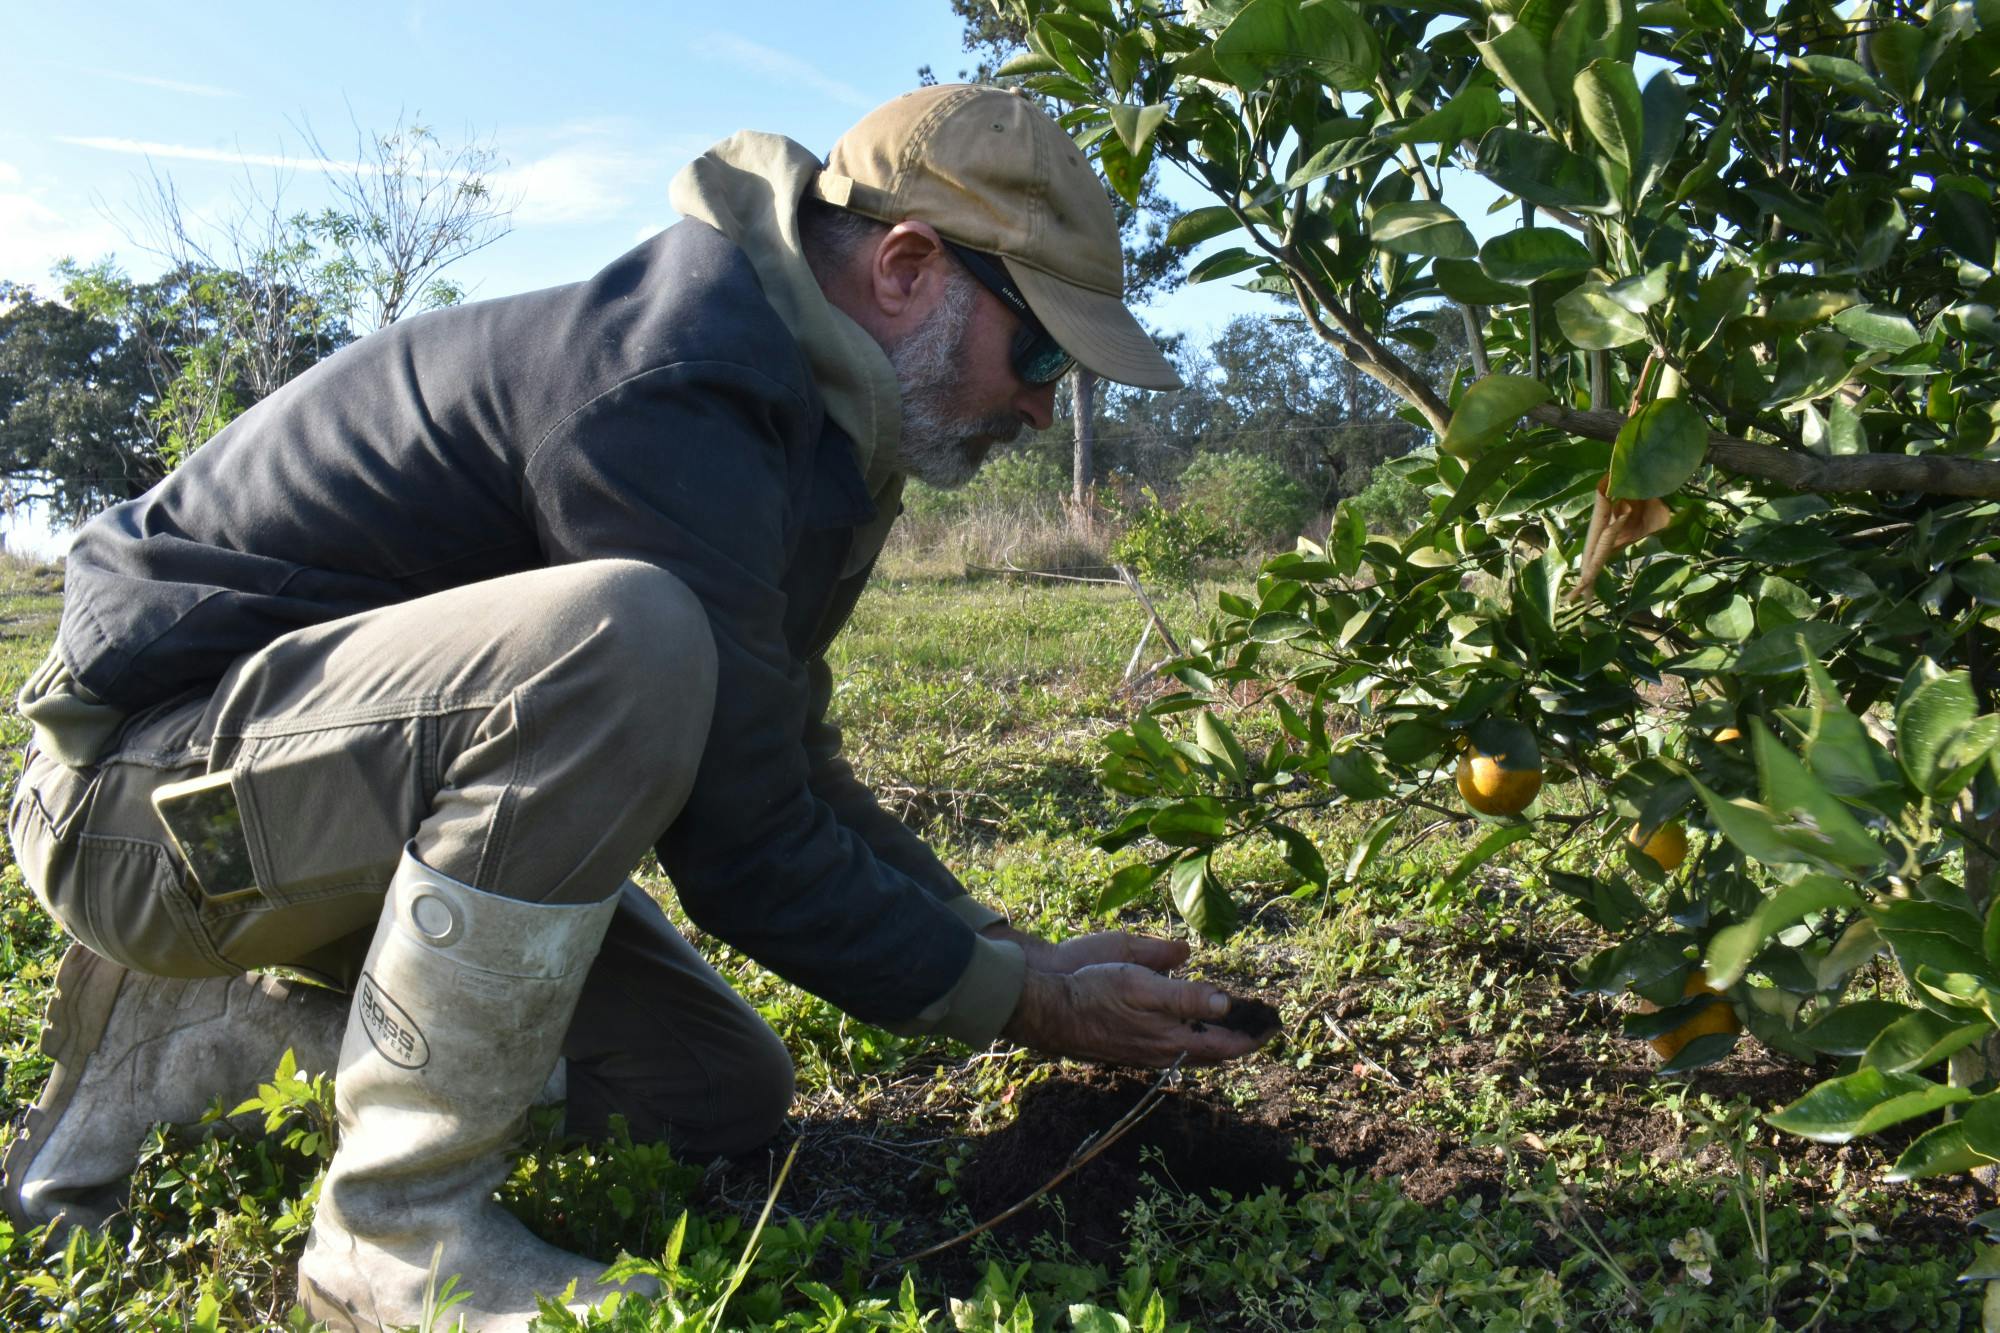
[(940, 446)]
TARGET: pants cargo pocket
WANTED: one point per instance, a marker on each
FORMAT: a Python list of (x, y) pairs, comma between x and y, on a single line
[(326, 814), (140, 910), (47, 802)]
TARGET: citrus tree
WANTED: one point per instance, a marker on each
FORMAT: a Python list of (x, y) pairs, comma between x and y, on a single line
[(1712, 501)]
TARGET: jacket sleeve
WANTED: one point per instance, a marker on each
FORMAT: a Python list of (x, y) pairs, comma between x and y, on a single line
[(697, 467), (834, 782)]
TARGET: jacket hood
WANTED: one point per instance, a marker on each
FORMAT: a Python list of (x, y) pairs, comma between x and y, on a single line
[(748, 188)]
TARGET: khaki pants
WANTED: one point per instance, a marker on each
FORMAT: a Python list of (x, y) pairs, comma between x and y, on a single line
[(531, 736)]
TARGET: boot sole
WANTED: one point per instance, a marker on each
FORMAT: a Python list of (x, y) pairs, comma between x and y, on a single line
[(85, 993), (323, 1307)]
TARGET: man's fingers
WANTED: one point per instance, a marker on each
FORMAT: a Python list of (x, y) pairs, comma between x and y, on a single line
[(1157, 954), (1194, 1001), (1217, 1046)]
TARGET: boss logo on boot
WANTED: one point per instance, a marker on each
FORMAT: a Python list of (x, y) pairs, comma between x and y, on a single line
[(393, 1031)]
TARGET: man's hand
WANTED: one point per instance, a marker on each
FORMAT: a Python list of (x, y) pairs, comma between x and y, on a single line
[(1125, 1014), (1105, 946)]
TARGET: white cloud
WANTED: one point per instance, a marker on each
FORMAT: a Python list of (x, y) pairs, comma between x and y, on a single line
[(775, 64), (166, 85), (34, 234), (582, 183), (192, 153)]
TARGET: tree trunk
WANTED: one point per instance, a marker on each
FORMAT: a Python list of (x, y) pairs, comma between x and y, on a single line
[(1977, 1064), (1083, 462)]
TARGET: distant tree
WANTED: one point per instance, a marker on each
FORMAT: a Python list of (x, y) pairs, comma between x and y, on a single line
[(105, 391), (1152, 267), (73, 435)]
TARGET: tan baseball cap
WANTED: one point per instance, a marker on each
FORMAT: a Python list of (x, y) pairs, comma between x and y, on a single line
[(991, 171)]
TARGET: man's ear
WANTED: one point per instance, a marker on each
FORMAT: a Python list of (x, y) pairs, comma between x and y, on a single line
[(906, 272)]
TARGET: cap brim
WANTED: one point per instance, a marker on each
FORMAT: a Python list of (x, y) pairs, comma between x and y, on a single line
[(1096, 329)]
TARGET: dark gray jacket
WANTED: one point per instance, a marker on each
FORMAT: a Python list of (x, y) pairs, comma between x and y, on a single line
[(660, 411)]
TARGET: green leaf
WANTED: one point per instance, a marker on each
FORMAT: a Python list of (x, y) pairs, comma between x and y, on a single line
[(1413, 741), (1863, 1103), (1842, 754), (1204, 904), (1354, 775), (1489, 410), (1201, 224), (1529, 254), (1594, 320), (1369, 848), (1878, 326), (1657, 450), (1124, 170), (1926, 935), (1189, 824), (1224, 264), (1642, 291), (1817, 822), (1939, 740), (1027, 62), (1706, 1049), (1961, 990), (1963, 221), (1843, 74), (1753, 829), (1473, 111), (1465, 282), (1214, 736), (1919, 1040), (1732, 948), (1495, 841), (1519, 58), (1666, 109), (1849, 1028), (1136, 125), (1421, 227), (1606, 903), (1272, 39), (1302, 855), (1608, 102), (1981, 581), (1541, 171), (1127, 884), (1898, 49), (1487, 469), (1860, 943), (1971, 1140)]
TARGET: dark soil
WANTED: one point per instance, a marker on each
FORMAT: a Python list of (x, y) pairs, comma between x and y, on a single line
[(1238, 1130), (1252, 1017)]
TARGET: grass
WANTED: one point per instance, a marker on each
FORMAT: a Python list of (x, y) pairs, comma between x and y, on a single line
[(1445, 1137)]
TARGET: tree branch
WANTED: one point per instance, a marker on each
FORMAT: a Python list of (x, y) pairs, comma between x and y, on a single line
[(1800, 471)]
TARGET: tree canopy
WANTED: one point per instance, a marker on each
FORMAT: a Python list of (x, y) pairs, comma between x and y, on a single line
[(1711, 533)]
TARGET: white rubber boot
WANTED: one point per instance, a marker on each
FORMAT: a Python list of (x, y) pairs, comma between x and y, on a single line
[(132, 1051), (457, 1020)]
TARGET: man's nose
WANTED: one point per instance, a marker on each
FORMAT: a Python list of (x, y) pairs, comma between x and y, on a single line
[(1037, 402)]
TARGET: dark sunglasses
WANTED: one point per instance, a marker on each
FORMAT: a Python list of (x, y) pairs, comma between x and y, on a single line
[(1038, 358)]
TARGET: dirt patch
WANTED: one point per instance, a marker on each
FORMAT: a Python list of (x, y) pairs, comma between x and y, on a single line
[(1190, 1139), (1448, 1110)]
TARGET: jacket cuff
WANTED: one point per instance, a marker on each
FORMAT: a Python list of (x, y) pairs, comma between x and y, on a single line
[(973, 912), (978, 1006)]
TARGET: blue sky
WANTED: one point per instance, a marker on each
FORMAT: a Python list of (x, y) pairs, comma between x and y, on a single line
[(592, 107)]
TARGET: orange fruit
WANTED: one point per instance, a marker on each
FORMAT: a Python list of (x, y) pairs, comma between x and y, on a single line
[(1668, 846), (1500, 771), (1716, 1017)]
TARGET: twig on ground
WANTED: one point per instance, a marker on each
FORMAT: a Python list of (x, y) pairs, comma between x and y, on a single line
[(1085, 1151), (1359, 1054)]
